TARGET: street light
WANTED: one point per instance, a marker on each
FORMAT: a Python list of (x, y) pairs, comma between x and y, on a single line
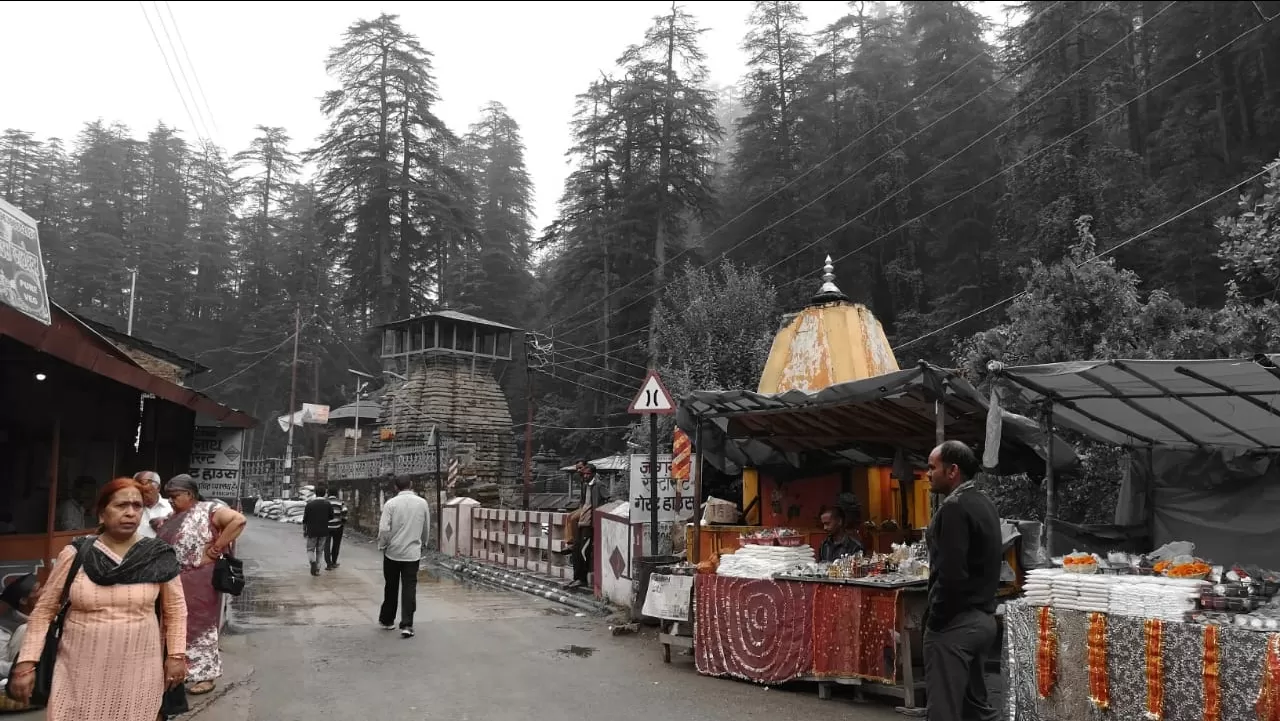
[(360, 386)]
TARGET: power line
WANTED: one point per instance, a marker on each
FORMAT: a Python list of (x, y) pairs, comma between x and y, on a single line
[(192, 65), (883, 155), (173, 49), (244, 370), (174, 78), (1091, 259), (583, 385)]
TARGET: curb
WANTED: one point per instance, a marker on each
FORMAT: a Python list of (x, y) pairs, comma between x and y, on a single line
[(206, 700), (522, 583)]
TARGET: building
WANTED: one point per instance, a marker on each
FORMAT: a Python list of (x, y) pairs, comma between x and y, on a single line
[(83, 404)]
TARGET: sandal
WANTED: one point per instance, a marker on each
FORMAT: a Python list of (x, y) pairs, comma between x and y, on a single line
[(201, 688)]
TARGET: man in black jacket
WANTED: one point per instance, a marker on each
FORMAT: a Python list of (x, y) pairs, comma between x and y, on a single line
[(315, 527), (964, 571)]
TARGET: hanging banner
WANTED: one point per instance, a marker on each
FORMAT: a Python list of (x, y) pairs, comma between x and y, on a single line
[(216, 454), (675, 498), (21, 265)]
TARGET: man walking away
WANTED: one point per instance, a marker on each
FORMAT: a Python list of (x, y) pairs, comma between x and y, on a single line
[(964, 571), (315, 527), (403, 532), (337, 523)]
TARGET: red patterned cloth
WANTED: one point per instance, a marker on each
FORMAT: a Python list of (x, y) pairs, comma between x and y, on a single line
[(759, 631), (853, 633)]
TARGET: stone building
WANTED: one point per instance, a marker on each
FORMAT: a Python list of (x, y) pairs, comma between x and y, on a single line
[(441, 372)]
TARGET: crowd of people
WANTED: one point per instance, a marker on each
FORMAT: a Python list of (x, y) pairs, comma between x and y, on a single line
[(132, 608)]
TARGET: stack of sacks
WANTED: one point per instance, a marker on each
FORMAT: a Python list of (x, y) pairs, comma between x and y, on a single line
[(293, 511), (1169, 599), (1093, 592), (764, 561), (1038, 589)]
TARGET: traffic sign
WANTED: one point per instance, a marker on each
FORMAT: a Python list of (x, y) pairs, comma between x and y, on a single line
[(653, 398)]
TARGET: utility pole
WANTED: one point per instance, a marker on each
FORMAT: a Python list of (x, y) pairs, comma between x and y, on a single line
[(316, 395), (293, 399), (435, 433), (133, 290)]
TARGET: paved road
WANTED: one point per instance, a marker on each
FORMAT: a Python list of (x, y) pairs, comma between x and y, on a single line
[(308, 648)]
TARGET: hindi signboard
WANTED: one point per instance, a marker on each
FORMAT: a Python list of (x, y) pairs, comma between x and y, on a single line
[(675, 498), (21, 265), (216, 454), (669, 597)]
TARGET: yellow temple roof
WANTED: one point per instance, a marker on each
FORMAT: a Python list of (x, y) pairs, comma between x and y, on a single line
[(831, 341)]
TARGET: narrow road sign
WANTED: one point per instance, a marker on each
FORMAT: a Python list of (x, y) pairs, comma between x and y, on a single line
[(653, 398)]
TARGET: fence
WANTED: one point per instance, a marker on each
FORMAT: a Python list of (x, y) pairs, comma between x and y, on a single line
[(523, 540)]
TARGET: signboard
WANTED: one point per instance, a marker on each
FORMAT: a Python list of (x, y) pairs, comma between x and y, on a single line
[(683, 451), (675, 498), (653, 398), (310, 413), (669, 597), (21, 265), (216, 454)]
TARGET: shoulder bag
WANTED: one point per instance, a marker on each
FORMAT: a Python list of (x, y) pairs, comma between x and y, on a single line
[(174, 701), (228, 571), (43, 685)]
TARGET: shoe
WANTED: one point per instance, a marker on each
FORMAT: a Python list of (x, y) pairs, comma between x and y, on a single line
[(335, 564), (388, 626), (330, 567), (406, 633), (315, 569)]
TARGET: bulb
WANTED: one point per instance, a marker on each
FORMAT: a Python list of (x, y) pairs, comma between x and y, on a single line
[(41, 376)]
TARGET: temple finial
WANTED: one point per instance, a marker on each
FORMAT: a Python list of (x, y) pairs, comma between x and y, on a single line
[(829, 292)]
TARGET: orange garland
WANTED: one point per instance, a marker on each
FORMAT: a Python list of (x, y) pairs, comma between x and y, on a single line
[(1269, 696), (1212, 684), (1046, 654), (1099, 687), (1154, 632)]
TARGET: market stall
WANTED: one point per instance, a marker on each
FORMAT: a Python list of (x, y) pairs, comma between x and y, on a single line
[(1192, 629), (764, 611)]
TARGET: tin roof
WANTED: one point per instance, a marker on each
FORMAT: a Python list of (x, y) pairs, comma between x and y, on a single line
[(452, 315)]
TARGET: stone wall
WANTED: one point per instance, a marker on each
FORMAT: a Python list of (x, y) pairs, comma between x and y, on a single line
[(465, 398)]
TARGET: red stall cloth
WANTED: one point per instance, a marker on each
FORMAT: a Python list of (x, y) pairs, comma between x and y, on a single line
[(759, 631), (853, 633)]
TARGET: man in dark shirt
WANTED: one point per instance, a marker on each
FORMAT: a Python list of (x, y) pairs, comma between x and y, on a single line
[(839, 542), (315, 527), (337, 524), (964, 571)]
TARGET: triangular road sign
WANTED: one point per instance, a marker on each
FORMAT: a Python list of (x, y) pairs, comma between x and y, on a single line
[(653, 398)]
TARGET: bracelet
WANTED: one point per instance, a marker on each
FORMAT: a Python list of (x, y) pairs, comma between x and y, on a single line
[(178, 656), (22, 671), (212, 552)]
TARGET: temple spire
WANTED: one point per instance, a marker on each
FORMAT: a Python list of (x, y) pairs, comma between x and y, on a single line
[(829, 292)]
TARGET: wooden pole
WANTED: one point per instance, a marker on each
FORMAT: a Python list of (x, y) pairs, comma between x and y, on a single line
[(697, 494), (653, 484), (52, 516), (293, 399), (528, 433), (1050, 489)]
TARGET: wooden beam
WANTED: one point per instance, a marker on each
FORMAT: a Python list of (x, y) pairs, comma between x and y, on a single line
[(1058, 400), (1227, 390), (1119, 396)]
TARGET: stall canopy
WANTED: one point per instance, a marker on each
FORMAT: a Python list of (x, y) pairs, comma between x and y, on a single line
[(874, 421), (1208, 404), (1204, 438)]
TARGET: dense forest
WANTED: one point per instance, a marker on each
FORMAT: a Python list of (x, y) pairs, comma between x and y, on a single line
[(1107, 158)]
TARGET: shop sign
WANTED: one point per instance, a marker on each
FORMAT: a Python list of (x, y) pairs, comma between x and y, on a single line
[(21, 265), (669, 597), (675, 498), (216, 454)]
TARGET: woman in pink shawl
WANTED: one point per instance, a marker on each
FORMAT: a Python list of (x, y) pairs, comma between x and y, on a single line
[(200, 532)]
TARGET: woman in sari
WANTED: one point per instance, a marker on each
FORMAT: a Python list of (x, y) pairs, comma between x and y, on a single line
[(122, 640), (200, 532)]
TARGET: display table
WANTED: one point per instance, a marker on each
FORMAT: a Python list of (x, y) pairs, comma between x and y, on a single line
[(775, 631), (1200, 674)]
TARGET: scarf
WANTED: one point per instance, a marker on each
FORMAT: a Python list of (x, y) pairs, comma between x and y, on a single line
[(149, 561)]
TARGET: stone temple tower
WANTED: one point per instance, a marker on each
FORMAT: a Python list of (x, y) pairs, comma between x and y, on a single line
[(440, 368)]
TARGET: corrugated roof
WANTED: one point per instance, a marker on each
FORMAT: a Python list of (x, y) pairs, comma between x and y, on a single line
[(370, 410), (1174, 403), (454, 316), (865, 422)]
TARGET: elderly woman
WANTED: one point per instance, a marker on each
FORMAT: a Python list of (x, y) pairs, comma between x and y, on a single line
[(110, 664), (200, 531)]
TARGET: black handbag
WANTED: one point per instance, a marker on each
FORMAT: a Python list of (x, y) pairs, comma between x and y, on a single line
[(43, 685), (174, 701), (228, 575)]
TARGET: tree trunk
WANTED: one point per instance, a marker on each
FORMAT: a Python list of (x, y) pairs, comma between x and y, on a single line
[(381, 197)]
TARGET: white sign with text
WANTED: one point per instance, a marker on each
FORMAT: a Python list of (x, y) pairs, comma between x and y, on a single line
[(216, 454), (675, 499)]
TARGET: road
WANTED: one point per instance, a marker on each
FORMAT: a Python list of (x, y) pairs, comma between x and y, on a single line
[(305, 648)]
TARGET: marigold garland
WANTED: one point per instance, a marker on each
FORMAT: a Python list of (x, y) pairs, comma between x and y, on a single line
[(1154, 633), (1099, 685), (1212, 685), (1269, 695), (1046, 654)]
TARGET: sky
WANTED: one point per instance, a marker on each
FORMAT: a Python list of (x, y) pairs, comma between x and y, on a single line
[(262, 63)]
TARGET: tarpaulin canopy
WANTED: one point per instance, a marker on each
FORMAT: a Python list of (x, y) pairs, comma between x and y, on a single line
[(874, 421), (1204, 404)]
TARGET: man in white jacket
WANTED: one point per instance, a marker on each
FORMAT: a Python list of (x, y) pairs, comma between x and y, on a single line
[(403, 533)]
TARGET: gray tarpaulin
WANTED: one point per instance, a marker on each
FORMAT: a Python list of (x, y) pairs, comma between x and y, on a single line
[(1227, 503), (874, 421)]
